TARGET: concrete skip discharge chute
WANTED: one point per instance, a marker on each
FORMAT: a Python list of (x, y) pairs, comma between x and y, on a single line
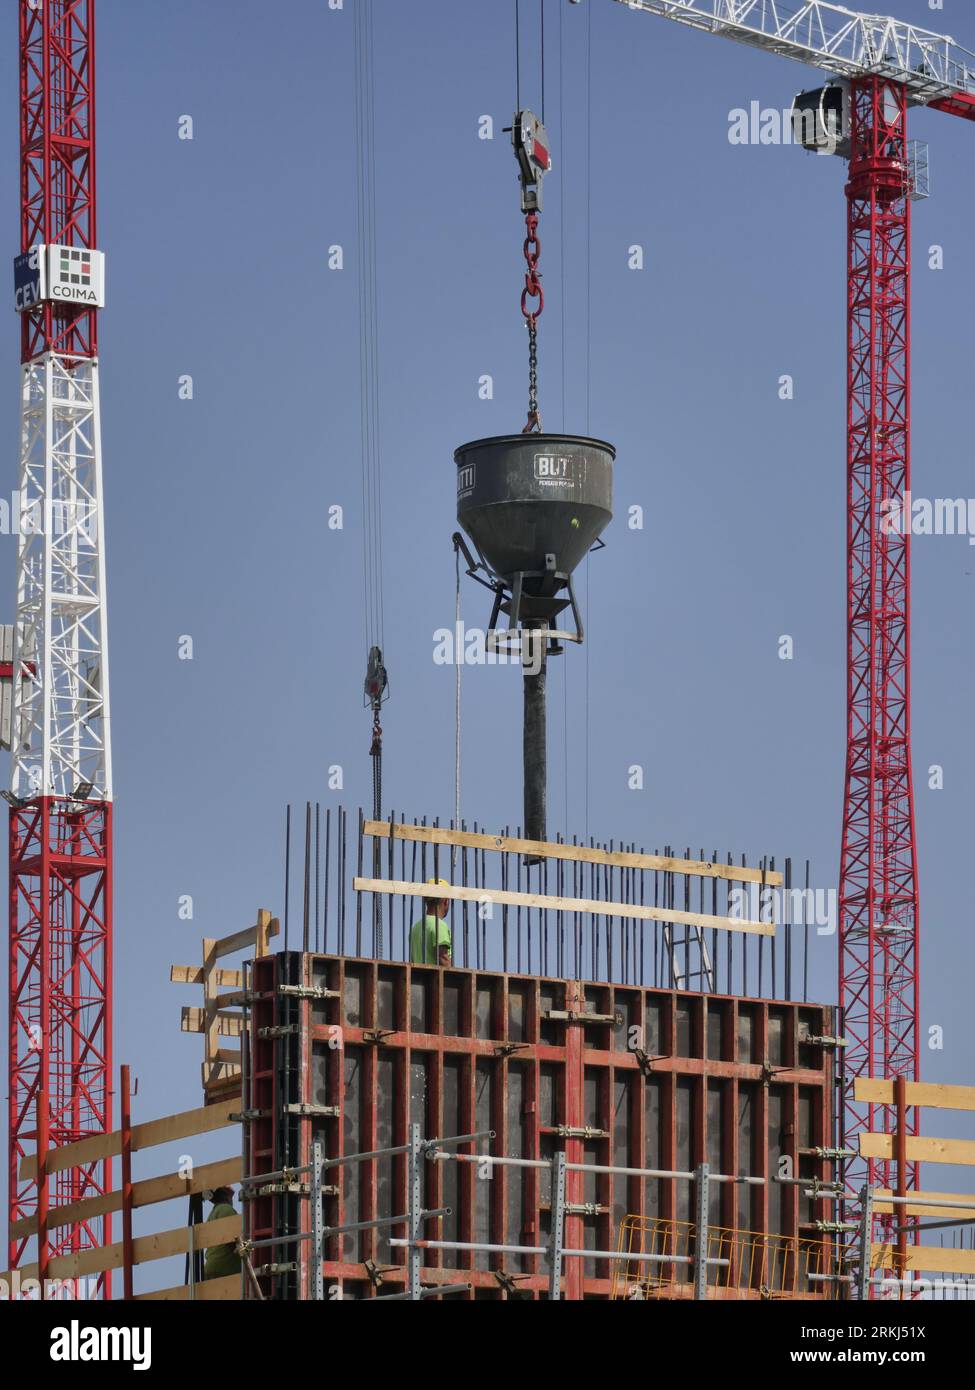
[(533, 505)]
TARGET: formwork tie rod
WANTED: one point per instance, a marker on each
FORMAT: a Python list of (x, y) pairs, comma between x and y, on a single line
[(429, 1144), (364, 1158), (274, 1240), (600, 1168), (545, 1250), (403, 1220), (282, 1175), (430, 1292)]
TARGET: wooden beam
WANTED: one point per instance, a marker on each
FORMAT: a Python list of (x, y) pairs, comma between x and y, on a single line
[(932, 1258), (230, 1001), (192, 1020), (267, 926), (918, 1207), (256, 937), (220, 1073), (209, 1291), (210, 1007), (580, 854), (595, 906), (920, 1150), (876, 1091), (144, 1248), (193, 975), (144, 1136), (144, 1194)]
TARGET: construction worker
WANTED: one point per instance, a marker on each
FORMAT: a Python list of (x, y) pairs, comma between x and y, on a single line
[(430, 936), (221, 1260)]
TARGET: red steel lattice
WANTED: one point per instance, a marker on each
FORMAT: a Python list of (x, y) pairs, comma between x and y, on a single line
[(878, 907), (60, 885)]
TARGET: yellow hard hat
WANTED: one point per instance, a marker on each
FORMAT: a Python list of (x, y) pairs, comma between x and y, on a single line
[(438, 882)]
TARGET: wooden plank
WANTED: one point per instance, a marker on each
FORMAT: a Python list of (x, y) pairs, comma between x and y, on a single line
[(211, 1290), (220, 1073), (144, 1136), (210, 1007), (581, 854), (920, 1150), (144, 1248), (193, 975), (918, 1207), (540, 900), (205, 1176), (931, 1258), (192, 1020), (267, 926), (877, 1091), (255, 937)]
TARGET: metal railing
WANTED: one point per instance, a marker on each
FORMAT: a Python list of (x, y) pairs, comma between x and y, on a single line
[(654, 1257)]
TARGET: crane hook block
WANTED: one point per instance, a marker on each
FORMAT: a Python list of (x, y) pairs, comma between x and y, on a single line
[(534, 158), (376, 682)]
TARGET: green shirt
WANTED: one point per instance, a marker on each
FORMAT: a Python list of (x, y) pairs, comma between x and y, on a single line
[(221, 1260), (426, 936)]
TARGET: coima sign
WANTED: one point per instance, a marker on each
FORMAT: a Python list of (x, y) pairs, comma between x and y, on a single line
[(61, 274)]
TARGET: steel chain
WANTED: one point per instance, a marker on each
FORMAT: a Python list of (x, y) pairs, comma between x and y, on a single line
[(532, 291)]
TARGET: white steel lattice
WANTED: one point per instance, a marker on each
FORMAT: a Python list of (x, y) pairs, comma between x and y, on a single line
[(931, 66), (61, 704)]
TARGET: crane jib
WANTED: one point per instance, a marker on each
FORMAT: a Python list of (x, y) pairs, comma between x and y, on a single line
[(935, 70)]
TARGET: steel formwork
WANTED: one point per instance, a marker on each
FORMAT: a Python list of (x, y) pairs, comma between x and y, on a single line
[(350, 1052)]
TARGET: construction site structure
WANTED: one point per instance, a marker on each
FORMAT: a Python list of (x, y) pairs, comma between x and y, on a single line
[(411, 1131), (879, 68), (60, 796)]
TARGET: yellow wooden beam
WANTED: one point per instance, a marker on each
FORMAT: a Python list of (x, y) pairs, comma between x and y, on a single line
[(144, 1248), (255, 937), (194, 975), (220, 1074), (920, 1150), (144, 1136), (877, 1091), (579, 854), (932, 1258), (595, 906), (203, 1177), (193, 1020), (209, 1291)]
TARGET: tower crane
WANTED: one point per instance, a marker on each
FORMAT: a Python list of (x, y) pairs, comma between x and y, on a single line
[(56, 700), (879, 68)]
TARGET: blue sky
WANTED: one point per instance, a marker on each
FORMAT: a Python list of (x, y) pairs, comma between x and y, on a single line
[(217, 508)]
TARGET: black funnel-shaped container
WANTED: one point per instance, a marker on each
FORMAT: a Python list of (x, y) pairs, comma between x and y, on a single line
[(534, 504)]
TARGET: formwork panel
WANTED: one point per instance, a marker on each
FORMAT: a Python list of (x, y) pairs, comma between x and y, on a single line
[(658, 1079)]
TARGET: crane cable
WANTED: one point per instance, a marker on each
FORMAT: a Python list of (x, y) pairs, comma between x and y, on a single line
[(532, 246), (588, 352), (458, 658), (376, 684), (565, 664)]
